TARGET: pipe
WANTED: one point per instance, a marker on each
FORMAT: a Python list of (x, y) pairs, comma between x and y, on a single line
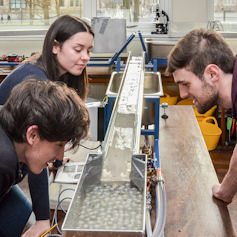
[(143, 46), (160, 198), (160, 209), (130, 38), (148, 223)]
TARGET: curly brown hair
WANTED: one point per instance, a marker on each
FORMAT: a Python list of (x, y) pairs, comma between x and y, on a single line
[(56, 109)]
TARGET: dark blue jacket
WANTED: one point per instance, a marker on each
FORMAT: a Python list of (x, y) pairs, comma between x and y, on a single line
[(38, 184)]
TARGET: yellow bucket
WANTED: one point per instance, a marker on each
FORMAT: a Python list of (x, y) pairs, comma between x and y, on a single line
[(208, 113), (211, 132), (168, 99), (200, 117)]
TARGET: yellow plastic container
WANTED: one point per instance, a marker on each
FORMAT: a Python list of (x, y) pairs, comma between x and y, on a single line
[(200, 117), (168, 99), (208, 113), (211, 132)]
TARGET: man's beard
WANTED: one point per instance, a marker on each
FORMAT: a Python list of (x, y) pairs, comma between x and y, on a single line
[(210, 102)]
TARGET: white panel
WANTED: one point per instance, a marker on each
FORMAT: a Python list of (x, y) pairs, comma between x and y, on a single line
[(189, 11), (89, 8)]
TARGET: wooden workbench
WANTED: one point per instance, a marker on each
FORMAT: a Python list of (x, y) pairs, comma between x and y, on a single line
[(189, 176)]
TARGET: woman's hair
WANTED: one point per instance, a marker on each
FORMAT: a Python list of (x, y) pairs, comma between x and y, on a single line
[(56, 109), (61, 30), (199, 48)]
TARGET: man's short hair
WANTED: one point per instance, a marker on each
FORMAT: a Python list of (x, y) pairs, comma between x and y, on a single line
[(199, 48), (56, 109)]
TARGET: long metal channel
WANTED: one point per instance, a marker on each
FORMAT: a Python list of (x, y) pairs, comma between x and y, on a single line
[(123, 135)]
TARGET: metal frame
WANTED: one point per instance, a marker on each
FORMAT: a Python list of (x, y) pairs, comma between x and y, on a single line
[(154, 132), (110, 62)]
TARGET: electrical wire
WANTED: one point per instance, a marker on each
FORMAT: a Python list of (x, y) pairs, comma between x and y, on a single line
[(88, 148), (66, 189), (55, 221)]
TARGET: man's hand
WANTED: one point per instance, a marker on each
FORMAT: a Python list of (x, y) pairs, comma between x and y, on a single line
[(39, 228), (219, 194), (227, 189)]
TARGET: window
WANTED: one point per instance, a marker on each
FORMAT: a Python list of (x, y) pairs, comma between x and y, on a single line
[(61, 3), (229, 2), (74, 3), (38, 14), (17, 4), (225, 15), (139, 14), (131, 10)]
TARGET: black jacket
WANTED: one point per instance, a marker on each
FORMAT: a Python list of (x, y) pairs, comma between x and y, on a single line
[(38, 184)]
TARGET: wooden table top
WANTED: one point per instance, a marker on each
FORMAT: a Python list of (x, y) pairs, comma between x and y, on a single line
[(189, 176)]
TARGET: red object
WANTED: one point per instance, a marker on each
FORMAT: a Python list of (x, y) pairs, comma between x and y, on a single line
[(12, 58)]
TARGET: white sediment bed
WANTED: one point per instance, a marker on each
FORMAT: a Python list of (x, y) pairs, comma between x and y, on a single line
[(108, 206)]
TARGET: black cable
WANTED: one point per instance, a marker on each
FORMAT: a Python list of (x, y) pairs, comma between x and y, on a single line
[(55, 214), (66, 189), (54, 221), (90, 148)]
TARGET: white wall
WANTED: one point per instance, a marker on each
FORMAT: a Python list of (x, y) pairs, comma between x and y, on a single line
[(189, 11), (189, 14)]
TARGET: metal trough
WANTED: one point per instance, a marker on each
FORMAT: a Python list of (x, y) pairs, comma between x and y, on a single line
[(110, 197), (108, 209)]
